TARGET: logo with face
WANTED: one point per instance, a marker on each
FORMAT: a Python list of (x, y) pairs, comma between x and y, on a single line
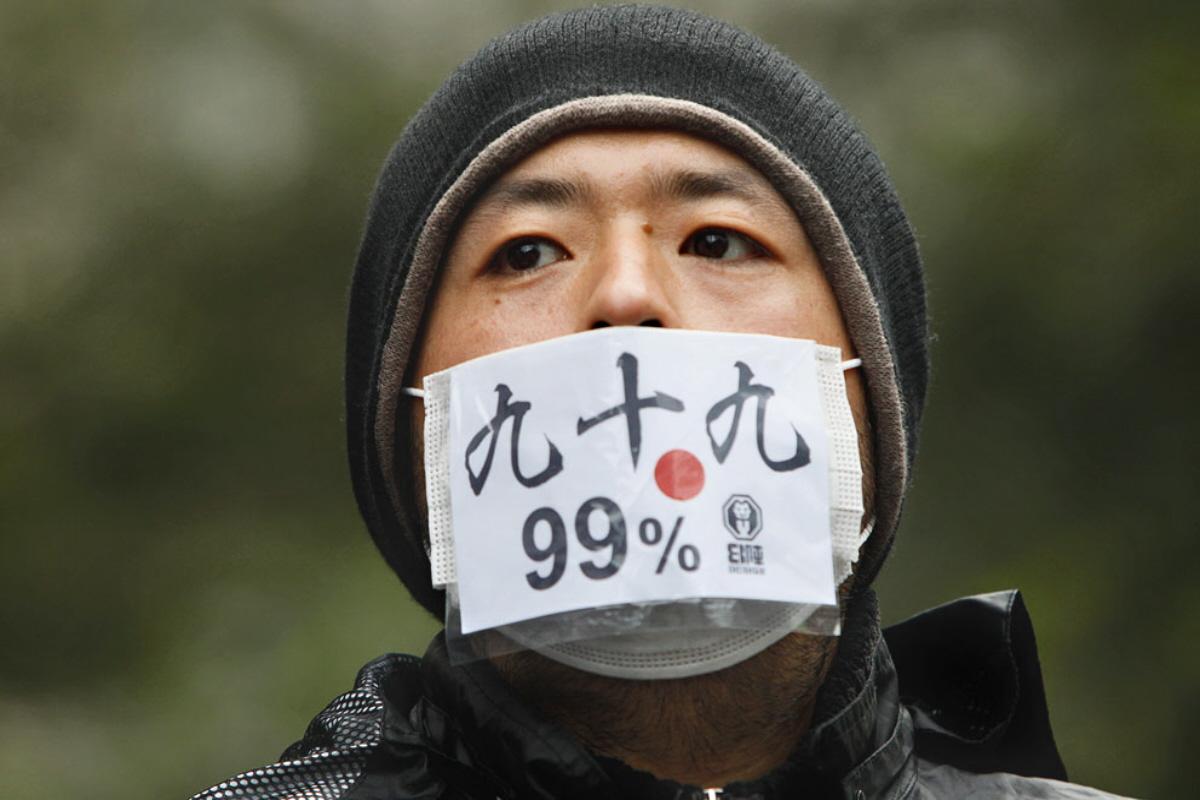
[(742, 517)]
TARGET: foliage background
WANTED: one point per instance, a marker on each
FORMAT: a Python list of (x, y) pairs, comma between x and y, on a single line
[(184, 580)]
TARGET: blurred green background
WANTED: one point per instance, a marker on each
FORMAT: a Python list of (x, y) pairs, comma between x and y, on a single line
[(184, 580)]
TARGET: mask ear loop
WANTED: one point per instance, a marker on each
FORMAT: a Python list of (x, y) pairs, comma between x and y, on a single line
[(866, 532)]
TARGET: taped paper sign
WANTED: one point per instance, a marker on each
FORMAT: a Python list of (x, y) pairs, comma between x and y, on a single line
[(634, 465)]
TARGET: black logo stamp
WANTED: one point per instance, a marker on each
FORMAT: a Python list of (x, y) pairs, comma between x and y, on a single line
[(743, 517)]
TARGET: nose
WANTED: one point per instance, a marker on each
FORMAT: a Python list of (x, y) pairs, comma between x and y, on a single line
[(629, 283)]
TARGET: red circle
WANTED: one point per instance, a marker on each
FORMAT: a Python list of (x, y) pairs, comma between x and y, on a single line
[(679, 474)]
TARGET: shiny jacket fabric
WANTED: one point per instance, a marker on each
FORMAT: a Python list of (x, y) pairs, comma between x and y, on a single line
[(948, 704)]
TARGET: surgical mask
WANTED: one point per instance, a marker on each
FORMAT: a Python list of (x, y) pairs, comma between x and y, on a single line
[(640, 502)]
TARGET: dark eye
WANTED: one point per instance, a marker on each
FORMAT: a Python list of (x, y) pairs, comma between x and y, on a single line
[(526, 253), (722, 244)]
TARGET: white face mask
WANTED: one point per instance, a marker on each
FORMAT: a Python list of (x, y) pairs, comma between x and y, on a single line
[(640, 502)]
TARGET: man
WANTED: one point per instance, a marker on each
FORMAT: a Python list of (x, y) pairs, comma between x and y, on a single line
[(653, 168)]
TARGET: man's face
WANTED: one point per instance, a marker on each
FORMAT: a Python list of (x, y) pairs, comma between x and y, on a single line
[(637, 228), (629, 227)]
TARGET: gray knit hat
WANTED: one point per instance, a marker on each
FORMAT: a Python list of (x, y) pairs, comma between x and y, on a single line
[(629, 67)]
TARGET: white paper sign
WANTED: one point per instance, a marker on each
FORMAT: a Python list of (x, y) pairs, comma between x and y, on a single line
[(632, 465)]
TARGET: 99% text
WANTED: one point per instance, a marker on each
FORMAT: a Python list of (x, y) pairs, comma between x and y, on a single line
[(650, 532)]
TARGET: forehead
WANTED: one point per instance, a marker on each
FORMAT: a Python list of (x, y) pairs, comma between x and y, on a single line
[(629, 145), (650, 166)]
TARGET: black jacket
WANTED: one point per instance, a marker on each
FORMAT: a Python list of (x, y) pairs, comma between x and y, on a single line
[(948, 704)]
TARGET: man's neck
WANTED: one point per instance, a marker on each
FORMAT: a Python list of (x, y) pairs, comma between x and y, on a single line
[(709, 730)]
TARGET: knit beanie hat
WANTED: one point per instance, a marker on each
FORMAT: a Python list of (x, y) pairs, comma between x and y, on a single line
[(628, 67)]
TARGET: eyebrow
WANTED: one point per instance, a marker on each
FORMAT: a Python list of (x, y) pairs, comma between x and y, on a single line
[(552, 192), (675, 184), (693, 185)]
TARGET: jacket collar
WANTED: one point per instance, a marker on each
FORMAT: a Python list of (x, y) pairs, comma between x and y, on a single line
[(968, 693), (472, 717), (970, 676)]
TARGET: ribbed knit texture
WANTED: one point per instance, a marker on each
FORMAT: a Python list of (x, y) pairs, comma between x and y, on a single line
[(609, 50)]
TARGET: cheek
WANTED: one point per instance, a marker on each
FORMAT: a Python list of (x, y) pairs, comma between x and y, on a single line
[(466, 324), (800, 306)]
